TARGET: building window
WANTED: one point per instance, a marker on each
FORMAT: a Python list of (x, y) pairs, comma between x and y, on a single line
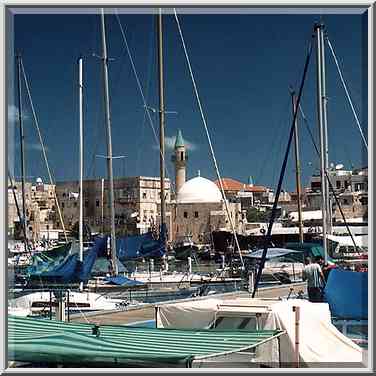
[(64, 195), (338, 184), (316, 185), (345, 201), (62, 205), (364, 200), (75, 204), (97, 203), (182, 156), (196, 214), (185, 214), (144, 195)]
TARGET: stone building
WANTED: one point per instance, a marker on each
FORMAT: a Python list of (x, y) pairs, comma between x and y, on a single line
[(42, 219), (136, 203), (198, 207), (351, 188), (179, 158), (248, 194)]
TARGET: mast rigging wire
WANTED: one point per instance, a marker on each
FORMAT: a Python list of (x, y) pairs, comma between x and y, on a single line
[(327, 176), (43, 148), (268, 236), (147, 109), (347, 92), (208, 136)]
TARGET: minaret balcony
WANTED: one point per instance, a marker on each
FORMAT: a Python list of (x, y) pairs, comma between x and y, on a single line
[(175, 159)]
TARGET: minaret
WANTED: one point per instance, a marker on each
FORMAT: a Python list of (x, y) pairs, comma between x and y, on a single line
[(179, 159)]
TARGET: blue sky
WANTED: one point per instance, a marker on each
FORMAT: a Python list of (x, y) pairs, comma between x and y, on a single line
[(243, 65)]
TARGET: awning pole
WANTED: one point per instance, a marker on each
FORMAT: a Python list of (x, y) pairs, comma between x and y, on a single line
[(297, 319)]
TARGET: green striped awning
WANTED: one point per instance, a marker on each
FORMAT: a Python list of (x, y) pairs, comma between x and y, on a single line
[(54, 342)]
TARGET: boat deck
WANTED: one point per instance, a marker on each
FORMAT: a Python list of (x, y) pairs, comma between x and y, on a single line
[(147, 312)]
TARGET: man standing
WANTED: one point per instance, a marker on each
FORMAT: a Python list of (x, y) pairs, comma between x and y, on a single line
[(312, 273)]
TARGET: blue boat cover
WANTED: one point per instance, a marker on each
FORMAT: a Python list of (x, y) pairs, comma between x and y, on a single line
[(147, 245), (346, 292), (65, 270), (123, 281)]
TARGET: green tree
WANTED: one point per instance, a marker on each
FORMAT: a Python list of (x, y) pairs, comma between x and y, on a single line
[(256, 215)]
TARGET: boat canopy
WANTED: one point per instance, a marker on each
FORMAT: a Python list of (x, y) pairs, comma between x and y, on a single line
[(271, 253), (55, 342)]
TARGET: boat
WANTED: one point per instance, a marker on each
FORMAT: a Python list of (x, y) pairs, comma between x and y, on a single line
[(122, 346), (310, 339), (184, 247), (342, 248), (65, 270), (45, 303), (281, 265), (205, 253)]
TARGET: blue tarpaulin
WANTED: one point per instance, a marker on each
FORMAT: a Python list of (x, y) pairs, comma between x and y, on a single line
[(346, 292), (68, 270), (141, 246), (123, 281)]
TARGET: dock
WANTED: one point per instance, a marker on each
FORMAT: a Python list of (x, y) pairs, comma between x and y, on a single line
[(147, 311)]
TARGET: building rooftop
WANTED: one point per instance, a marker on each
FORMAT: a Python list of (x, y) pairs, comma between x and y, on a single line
[(199, 190), (179, 140), (236, 186)]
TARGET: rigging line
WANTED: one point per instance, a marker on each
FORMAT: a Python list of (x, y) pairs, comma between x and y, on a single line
[(81, 312), (327, 176), (278, 151), (97, 129), (140, 88), (268, 236), (279, 124), (43, 148), (208, 136), (148, 84), (347, 92)]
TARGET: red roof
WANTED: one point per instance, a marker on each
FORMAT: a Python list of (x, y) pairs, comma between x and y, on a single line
[(236, 186)]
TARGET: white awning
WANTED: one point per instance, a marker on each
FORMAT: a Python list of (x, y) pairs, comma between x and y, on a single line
[(306, 215), (360, 240)]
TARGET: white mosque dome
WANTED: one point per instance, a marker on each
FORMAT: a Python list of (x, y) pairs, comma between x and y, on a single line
[(199, 190)]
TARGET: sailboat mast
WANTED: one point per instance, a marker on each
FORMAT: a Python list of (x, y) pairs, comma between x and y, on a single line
[(109, 143), (22, 149), (318, 29), (102, 206), (161, 116), (325, 120), (297, 169), (81, 220)]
